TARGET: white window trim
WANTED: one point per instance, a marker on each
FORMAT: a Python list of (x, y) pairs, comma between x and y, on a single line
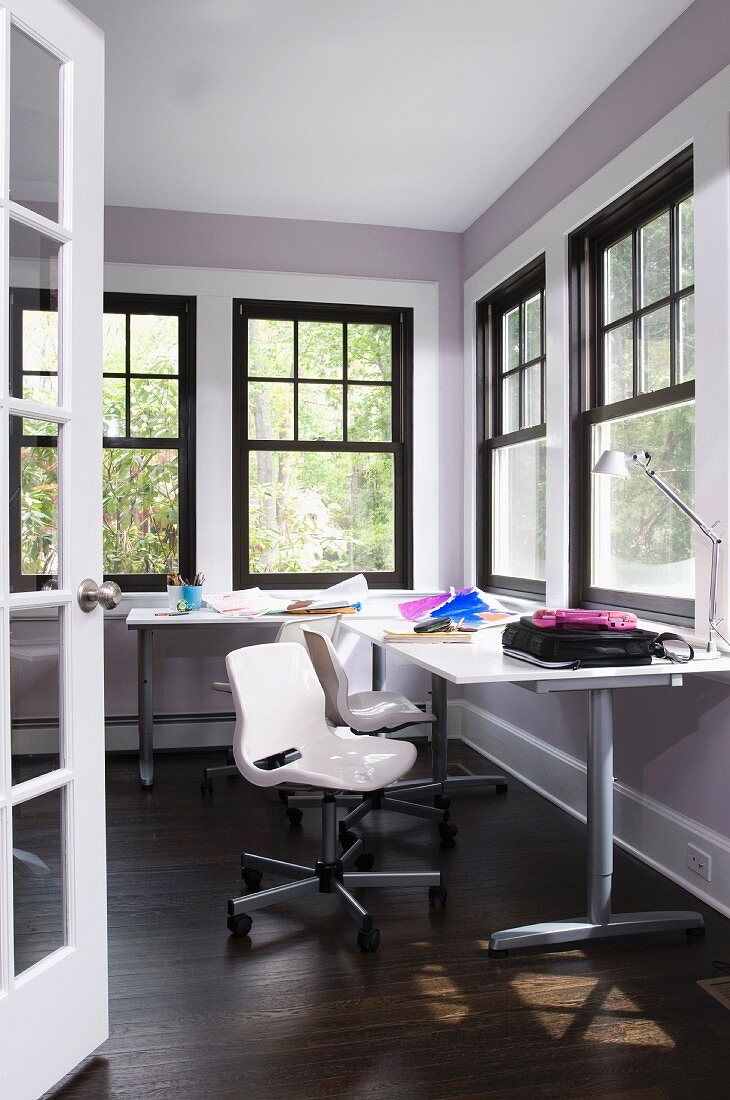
[(215, 289), (702, 120)]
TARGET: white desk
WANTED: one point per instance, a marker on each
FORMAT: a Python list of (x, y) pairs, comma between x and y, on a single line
[(484, 663)]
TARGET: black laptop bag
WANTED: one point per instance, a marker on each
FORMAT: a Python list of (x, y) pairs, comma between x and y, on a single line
[(561, 647)]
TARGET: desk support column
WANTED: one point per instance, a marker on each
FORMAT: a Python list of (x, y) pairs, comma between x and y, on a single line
[(378, 667), (439, 736), (600, 923), (144, 707)]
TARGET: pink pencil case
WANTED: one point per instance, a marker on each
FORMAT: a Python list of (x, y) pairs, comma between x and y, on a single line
[(578, 619)]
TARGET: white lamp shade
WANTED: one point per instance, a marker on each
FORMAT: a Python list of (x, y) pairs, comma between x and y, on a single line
[(613, 463)]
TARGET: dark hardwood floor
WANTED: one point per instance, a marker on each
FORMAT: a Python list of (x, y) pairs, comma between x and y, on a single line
[(296, 1011)]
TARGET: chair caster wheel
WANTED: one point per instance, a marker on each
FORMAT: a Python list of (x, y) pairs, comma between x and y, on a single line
[(495, 954), (206, 787), (283, 796), (368, 941), (501, 788), (437, 894), (295, 816), (365, 861), (442, 802), (447, 831), (240, 925), (347, 839), (695, 933), (251, 877)]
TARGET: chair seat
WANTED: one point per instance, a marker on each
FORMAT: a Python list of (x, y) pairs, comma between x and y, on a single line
[(377, 710), (360, 764)]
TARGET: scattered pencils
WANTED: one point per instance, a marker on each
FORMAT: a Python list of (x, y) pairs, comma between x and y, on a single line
[(174, 580)]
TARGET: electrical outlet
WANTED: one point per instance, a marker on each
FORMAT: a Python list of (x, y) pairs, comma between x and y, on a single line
[(699, 862)]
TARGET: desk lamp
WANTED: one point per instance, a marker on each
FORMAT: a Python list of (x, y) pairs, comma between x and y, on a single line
[(619, 464)]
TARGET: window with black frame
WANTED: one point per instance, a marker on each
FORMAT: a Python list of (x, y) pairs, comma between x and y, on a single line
[(634, 314), (322, 412), (511, 433), (147, 457)]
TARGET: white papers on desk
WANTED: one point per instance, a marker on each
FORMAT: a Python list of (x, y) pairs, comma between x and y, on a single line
[(248, 602)]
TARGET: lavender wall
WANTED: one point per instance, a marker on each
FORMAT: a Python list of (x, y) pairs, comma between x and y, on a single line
[(694, 48)]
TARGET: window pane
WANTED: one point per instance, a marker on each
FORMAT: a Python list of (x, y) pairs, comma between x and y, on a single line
[(511, 339), (153, 344), (640, 541), (655, 351), (686, 242), (39, 857), (369, 353), (511, 403), (41, 388), (34, 286), (321, 512), (115, 338), (655, 265), (35, 692), (114, 407), (39, 427), (618, 279), (34, 125), (33, 509), (270, 348), (686, 343), (618, 364), (532, 336), (320, 350), (518, 508), (532, 396), (154, 407), (141, 507), (368, 414), (320, 412), (270, 410)]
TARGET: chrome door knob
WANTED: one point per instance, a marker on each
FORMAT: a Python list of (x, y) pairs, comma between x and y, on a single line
[(107, 595)]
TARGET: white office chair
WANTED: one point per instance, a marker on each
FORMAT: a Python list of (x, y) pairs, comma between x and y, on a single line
[(288, 632), (371, 712), (282, 735)]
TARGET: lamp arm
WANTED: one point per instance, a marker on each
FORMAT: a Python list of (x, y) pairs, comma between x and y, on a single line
[(669, 491)]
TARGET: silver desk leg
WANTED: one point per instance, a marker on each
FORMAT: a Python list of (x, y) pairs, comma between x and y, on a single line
[(440, 747), (378, 667), (144, 708), (600, 923)]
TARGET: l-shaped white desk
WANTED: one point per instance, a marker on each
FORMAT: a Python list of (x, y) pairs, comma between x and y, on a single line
[(483, 662)]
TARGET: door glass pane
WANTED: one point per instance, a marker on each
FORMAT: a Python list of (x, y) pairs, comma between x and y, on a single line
[(511, 339), (34, 125), (320, 411), (33, 512), (369, 414), (270, 348), (141, 509), (511, 403), (153, 407), (618, 280), (39, 918), (270, 410), (532, 336), (618, 364), (686, 342), (518, 507), (655, 262), (321, 512), (369, 353), (320, 349), (655, 351), (640, 541), (35, 691), (34, 319), (532, 396), (686, 236), (153, 344)]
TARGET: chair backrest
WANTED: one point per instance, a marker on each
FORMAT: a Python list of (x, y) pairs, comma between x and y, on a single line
[(332, 677), (293, 631), (279, 704)]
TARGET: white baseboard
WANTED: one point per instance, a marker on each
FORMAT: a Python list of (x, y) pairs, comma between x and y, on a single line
[(644, 827)]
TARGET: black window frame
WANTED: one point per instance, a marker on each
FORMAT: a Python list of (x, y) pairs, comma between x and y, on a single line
[(401, 446), (490, 313), (660, 191)]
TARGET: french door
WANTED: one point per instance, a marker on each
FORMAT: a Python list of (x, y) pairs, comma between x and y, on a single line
[(53, 963)]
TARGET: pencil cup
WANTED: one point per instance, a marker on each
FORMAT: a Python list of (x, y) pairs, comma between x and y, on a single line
[(174, 595), (193, 596)]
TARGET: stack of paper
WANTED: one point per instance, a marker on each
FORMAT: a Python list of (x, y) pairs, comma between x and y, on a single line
[(249, 602)]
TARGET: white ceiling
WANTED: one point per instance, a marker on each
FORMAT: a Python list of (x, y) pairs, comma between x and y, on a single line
[(396, 112)]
